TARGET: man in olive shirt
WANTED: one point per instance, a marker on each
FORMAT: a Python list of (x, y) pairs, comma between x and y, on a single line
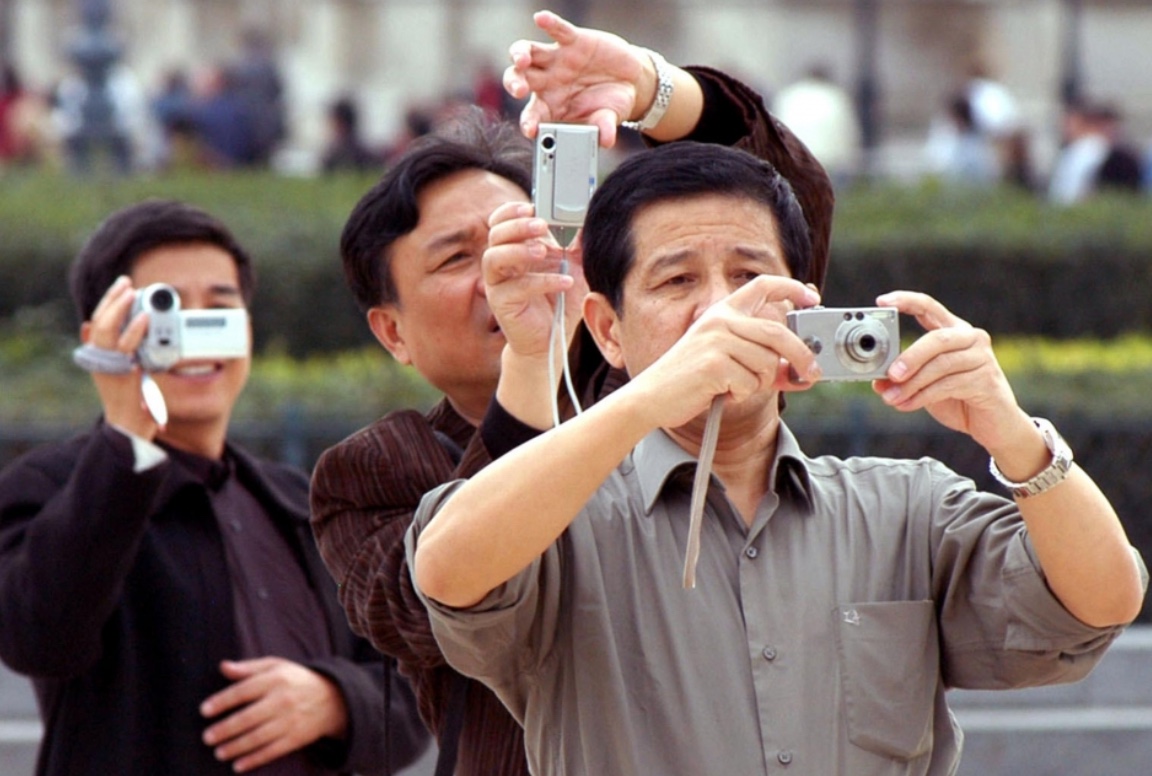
[(837, 600)]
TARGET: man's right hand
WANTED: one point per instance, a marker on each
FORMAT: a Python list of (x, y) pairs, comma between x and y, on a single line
[(522, 278), (120, 395), (523, 283), (738, 348), (587, 76)]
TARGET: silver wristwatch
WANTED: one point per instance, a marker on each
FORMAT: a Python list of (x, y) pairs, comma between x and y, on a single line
[(1052, 475), (663, 95)]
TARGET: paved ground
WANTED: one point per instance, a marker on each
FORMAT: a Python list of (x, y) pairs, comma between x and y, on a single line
[(1099, 727)]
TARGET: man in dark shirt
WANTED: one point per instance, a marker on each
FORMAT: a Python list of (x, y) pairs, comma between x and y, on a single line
[(160, 585), (412, 252)]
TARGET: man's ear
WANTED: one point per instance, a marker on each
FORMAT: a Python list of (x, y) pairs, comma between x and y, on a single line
[(603, 325), (85, 332), (384, 321)]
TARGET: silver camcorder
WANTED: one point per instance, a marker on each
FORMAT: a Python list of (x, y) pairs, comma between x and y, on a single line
[(850, 343), (565, 172), (176, 335)]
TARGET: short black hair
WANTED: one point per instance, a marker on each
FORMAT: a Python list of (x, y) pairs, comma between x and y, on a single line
[(678, 171), (389, 210), (128, 233)]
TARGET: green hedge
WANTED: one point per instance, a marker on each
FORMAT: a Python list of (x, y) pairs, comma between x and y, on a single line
[(290, 225), (41, 385), (1096, 380), (1005, 261)]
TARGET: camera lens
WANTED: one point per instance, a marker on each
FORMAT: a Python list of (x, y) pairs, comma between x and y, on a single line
[(162, 300), (548, 142), (862, 345)]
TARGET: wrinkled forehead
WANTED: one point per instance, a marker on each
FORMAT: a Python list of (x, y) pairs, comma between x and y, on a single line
[(707, 226)]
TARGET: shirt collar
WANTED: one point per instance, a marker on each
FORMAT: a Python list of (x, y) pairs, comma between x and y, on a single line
[(658, 458), (444, 417), (212, 473)]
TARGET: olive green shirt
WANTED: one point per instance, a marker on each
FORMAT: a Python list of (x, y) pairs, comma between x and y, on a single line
[(819, 641)]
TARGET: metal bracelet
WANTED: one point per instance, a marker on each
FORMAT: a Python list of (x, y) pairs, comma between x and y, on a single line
[(663, 98)]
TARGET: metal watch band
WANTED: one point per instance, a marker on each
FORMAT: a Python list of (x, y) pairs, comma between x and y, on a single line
[(663, 95), (1052, 475)]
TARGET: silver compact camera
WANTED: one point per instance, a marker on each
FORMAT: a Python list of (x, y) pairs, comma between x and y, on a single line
[(565, 172), (176, 335), (850, 343)]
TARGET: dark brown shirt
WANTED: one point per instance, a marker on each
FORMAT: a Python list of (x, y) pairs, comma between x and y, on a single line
[(365, 490), (276, 610)]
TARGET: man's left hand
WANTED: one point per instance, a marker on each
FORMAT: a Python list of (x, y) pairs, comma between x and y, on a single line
[(951, 372), (274, 707)]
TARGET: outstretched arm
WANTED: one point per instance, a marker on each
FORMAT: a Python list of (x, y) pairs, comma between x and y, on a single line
[(499, 521), (589, 76), (952, 372)]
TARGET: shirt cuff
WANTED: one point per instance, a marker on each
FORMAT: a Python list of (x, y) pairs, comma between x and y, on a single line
[(503, 433), (145, 454)]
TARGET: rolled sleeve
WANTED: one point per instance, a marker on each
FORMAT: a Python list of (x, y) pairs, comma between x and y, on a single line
[(499, 639), (1001, 624)]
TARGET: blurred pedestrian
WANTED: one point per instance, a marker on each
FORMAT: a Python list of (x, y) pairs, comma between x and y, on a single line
[(11, 94), (957, 151), (346, 150), (418, 122), (257, 81), (994, 109), (170, 108), (822, 115), (23, 120), (1095, 156), (1018, 169), (221, 121)]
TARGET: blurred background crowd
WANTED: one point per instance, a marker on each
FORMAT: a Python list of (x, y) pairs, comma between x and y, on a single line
[(249, 98)]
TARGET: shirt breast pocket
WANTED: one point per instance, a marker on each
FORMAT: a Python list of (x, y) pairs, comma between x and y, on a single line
[(889, 657)]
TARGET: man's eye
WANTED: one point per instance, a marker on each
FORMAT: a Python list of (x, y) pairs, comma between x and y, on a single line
[(747, 276), (455, 258), (677, 280)]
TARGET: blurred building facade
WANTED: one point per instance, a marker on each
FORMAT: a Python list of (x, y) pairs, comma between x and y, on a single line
[(902, 54)]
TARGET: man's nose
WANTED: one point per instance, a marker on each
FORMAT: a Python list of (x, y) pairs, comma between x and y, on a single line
[(712, 291)]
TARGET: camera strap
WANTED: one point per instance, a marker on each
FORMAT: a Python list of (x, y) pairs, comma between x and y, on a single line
[(112, 362), (700, 490), (557, 336), (103, 360)]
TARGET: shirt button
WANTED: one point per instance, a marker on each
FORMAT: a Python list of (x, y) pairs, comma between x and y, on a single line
[(752, 552), (263, 594), (769, 653), (784, 757), (237, 526)]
